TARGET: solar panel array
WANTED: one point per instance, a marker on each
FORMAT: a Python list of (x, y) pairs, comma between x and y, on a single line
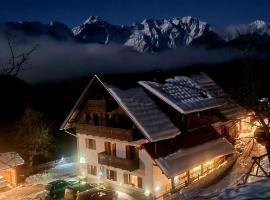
[(182, 93)]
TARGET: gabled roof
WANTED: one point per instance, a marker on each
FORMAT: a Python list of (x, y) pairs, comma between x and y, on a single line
[(10, 159), (75, 110), (183, 94), (144, 112), (141, 109)]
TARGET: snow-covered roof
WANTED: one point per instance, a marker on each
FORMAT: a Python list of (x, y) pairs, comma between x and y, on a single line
[(229, 109), (144, 112), (185, 159), (183, 94), (10, 159)]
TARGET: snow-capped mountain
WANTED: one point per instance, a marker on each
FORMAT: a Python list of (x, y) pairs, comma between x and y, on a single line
[(97, 30), (233, 31), (150, 35)]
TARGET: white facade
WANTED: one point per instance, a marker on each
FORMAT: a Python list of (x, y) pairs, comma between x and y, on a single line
[(152, 178)]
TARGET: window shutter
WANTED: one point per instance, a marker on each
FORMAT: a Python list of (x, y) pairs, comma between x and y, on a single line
[(94, 144), (113, 149), (108, 174), (86, 143), (139, 182), (125, 178), (115, 176), (128, 156), (95, 170)]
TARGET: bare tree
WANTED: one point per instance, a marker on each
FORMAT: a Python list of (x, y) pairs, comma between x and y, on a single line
[(32, 137), (17, 61)]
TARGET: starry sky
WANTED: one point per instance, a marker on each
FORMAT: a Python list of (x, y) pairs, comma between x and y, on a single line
[(71, 12)]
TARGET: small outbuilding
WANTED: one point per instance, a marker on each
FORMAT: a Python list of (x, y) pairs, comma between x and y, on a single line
[(11, 166)]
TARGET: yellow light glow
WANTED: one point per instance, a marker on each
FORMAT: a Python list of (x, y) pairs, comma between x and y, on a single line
[(146, 193), (196, 168), (82, 160), (211, 162)]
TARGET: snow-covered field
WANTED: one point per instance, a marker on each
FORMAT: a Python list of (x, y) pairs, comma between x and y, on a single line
[(34, 187), (259, 190), (63, 171)]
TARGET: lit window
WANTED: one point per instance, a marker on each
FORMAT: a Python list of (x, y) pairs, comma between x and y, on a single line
[(181, 180), (133, 180), (195, 173), (208, 167)]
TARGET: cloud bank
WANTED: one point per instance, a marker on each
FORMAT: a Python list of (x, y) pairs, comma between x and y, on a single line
[(56, 60)]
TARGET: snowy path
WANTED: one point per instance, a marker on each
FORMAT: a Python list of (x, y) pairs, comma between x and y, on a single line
[(247, 147), (252, 191), (27, 192)]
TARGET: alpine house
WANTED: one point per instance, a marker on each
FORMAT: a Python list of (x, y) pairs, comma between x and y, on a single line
[(154, 137)]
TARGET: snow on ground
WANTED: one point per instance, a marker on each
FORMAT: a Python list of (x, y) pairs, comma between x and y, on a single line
[(228, 187), (34, 187), (246, 147), (252, 191), (62, 170), (28, 192)]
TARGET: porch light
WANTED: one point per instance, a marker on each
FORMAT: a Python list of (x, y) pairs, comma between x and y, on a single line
[(146, 193), (82, 160)]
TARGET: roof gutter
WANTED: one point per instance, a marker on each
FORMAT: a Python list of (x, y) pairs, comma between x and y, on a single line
[(74, 135)]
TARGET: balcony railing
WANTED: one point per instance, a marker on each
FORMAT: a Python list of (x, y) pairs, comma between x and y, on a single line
[(116, 162), (107, 132)]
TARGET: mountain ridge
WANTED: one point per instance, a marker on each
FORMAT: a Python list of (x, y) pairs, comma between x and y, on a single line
[(149, 35)]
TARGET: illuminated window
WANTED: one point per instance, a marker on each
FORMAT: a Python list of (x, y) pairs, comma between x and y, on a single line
[(208, 167), (92, 169), (181, 180), (195, 173), (90, 144), (133, 180)]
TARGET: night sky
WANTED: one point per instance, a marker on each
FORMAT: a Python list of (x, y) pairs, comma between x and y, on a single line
[(216, 12)]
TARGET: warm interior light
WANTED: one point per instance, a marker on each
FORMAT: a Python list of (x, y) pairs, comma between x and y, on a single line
[(209, 162), (198, 168), (157, 188), (134, 180)]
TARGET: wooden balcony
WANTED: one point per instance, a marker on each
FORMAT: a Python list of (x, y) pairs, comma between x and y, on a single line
[(107, 132), (116, 162), (97, 106)]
